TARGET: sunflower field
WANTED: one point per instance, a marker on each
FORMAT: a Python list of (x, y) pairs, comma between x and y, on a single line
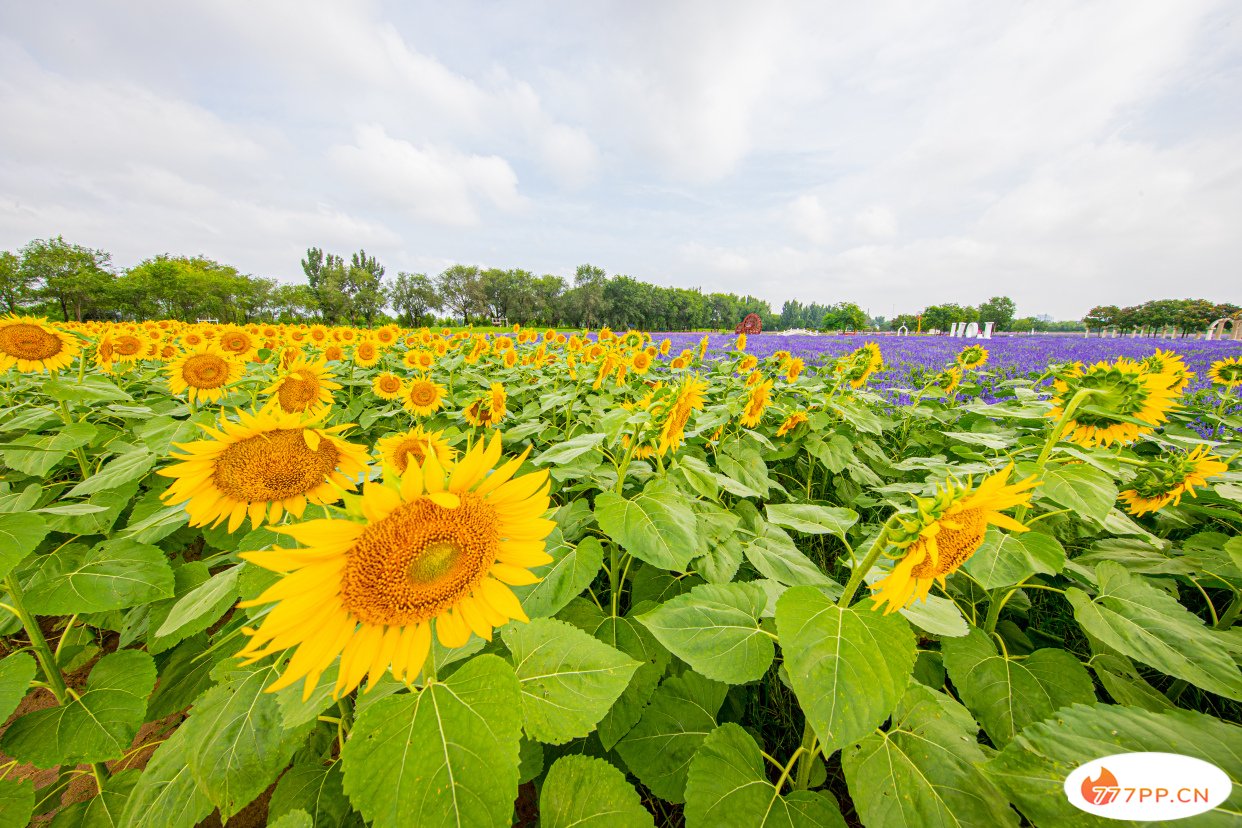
[(306, 576)]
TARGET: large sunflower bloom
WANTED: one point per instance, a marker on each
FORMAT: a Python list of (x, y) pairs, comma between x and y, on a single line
[(304, 387), (35, 346), (239, 342), (946, 530), (438, 548), (972, 357), (1227, 372), (396, 449), (1122, 394), (422, 397), (858, 367), (262, 465), (203, 372), (1165, 480)]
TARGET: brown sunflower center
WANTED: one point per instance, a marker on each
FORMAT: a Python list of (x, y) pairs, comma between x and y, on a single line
[(390, 384), (401, 455), (955, 545), (420, 560), (26, 341), (127, 345), (298, 391), (273, 466), (422, 393), (235, 343), (205, 371)]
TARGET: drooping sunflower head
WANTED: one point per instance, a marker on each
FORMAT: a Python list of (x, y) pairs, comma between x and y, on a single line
[(972, 357), (422, 397), (387, 386), (1165, 479), (683, 400), (262, 465), (488, 409), (740, 344), (1123, 402), (857, 367), (792, 368), (306, 386), (756, 403), (1227, 372), (397, 450), (437, 548), (943, 532), (203, 372), (947, 380), (35, 346), (1169, 364), (665, 344), (791, 422), (747, 364)]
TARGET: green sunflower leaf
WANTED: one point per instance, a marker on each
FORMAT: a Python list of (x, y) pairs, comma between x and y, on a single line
[(925, 769), (97, 726), (569, 679), (848, 666), (728, 785), (445, 755), (571, 571), (583, 792), (316, 789), (659, 748), (715, 628), (114, 574), (17, 801), (656, 525), (812, 518), (1006, 693), (20, 534), (16, 672)]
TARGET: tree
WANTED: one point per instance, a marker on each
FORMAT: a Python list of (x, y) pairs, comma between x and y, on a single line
[(17, 287), (364, 283), (414, 296), (77, 278), (843, 316), (589, 282), (461, 290), (942, 317), (999, 310)]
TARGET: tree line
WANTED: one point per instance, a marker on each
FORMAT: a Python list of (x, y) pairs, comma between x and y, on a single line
[(1190, 315), (54, 278)]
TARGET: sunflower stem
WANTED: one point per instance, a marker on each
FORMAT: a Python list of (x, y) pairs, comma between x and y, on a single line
[(998, 597), (47, 660), (805, 754), (860, 571)]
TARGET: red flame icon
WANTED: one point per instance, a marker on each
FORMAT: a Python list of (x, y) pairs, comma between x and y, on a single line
[(1100, 791)]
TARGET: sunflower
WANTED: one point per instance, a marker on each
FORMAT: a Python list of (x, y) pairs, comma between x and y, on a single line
[(665, 344), (703, 347), (422, 397), (947, 380), (304, 387), (944, 532), (740, 344), (1165, 480), (757, 403), (35, 346), (793, 368), (747, 363), (1171, 365), (1227, 372), (641, 362), (419, 360), (488, 409), (334, 353), (1125, 402), (262, 465), (438, 547), (387, 386), (973, 357), (858, 366), (396, 449), (238, 342), (791, 422), (127, 348), (689, 397), (366, 354), (203, 373)]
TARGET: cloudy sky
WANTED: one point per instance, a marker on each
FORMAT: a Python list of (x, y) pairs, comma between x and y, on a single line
[(892, 154)]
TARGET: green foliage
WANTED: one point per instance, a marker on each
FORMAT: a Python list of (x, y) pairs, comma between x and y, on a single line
[(581, 791)]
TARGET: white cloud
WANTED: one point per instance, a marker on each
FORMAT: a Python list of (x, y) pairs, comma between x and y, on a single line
[(876, 222), (810, 218), (433, 184)]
